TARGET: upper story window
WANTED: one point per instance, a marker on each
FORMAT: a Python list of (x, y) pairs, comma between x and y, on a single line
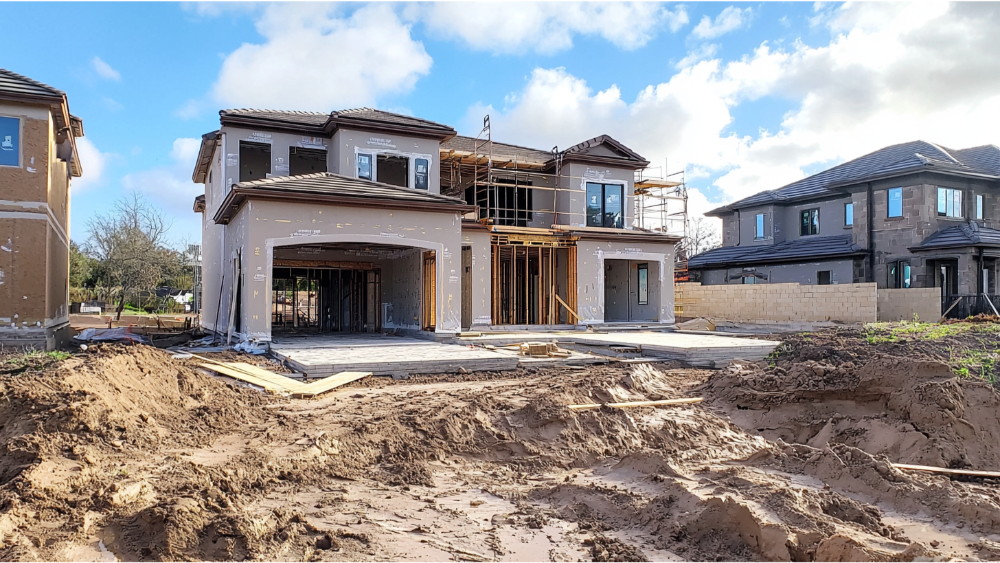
[(895, 202), (605, 205), (10, 141), (810, 222), (306, 161), (758, 232), (949, 202), (393, 168), (255, 161), (979, 206), (848, 214)]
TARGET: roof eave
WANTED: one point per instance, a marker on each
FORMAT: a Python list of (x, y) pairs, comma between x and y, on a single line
[(209, 142), (379, 126), (270, 124), (605, 160), (730, 263)]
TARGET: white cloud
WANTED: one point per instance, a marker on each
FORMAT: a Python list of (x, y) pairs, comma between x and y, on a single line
[(170, 186), (315, 59), (547, 27), (104, 70), (93, 162), (705, 51), (890, 74), (729, 19)]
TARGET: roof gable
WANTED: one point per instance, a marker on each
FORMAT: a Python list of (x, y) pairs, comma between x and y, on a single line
[(966, 234), (601, 148)]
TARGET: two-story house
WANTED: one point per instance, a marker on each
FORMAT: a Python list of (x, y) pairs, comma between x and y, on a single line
[(909, 215), (38, 157), (363, 220)]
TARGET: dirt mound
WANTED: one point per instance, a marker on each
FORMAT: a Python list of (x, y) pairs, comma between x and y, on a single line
[(913, 411)]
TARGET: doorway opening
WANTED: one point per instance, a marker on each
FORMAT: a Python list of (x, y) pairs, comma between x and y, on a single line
[(631, 291), (534, 281), (326, 299), (428, 314)]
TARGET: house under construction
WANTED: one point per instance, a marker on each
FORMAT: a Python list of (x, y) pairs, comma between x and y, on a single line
[(366, 221)]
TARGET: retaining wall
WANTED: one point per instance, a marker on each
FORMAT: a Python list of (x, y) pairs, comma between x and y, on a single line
[(903, 304)]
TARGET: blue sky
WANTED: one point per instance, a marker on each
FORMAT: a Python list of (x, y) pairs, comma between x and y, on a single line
[(744, 96)]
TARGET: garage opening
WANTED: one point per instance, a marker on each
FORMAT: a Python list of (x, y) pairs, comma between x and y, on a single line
[(255, 161), (631, 291), (346, 287), (306, 161)]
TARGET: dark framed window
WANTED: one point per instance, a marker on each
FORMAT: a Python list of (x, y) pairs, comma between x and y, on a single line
[(421, 172), (848, 214), (979, 206), (823, 277), (643, 291), (255, 161), (900, 274), (949, 202), (605, 205), (894, 198), (393, 170), (758, 232), (749, 279), (303, 161), (364, 166), (810, 222)]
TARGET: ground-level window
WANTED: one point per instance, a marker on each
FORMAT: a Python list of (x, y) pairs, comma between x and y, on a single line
[(848, 214), (900, 274), (759, 226), (749, 279), (810, 222), (605, 205), (979, 206), (949, 202), (895, 202), (823, 277), (643, 284)]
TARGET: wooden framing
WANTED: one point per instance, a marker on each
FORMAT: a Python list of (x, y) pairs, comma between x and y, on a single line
[(428, 301), (527, 283), (288, 263)]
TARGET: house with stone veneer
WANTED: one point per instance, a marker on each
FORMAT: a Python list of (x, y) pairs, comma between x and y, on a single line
[(362, 221), (912, 215)]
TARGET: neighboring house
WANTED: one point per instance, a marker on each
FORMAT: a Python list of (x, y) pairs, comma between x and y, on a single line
[(38, 157), (909, 215), (363, 220)]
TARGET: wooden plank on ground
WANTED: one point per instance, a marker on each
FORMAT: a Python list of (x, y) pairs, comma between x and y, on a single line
[(243, 376), (330, 383), (944, 471), (664, 403), (261, 373)]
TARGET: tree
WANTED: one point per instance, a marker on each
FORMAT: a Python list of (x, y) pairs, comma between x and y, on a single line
[(702, 236), (82, 267), (129, 243)]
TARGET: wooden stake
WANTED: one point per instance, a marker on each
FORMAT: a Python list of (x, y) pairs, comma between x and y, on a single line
[(664, 403), (942, 470)]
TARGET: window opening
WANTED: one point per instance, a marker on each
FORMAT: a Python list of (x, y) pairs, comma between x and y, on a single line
[(895, 202), (10, 141), (364, 166), (900, 274), (421, 171), (643, 290), (823, 277), (759, 226), (810, 222), (979, 206), (306, 161), (848, 214), (749, 279), (255, 161), (393, 170), (605, 205), (949, 202)]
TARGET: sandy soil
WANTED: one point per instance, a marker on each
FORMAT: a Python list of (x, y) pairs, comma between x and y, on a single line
[(123, 452)]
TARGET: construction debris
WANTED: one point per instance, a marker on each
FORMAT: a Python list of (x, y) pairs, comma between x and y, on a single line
[(277, 383), (699, 324)]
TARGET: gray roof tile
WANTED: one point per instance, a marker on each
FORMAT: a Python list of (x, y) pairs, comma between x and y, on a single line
[(966, 234), (320, 119), (328, 183), (805, 248), (915, 155), (500, 150), (13, 83)]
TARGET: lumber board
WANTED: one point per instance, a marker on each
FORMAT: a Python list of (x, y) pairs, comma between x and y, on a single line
[(330, 383), (266, 375), (243, 376), (945, 471), (663, 403)]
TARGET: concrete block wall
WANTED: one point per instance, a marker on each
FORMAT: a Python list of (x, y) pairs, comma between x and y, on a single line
[(780, 302), (903, 304)]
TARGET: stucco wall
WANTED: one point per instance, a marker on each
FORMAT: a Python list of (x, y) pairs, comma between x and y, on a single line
[(572, 200), (783, 302), (482, 275), (349, 141), (590, 274), (261, 226)]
